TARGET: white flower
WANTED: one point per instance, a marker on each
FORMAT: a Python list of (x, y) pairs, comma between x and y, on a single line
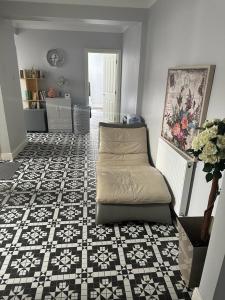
[(206, 135), (212, 131), (221, 141), (211, 159), (207, 123), (209, 144), (209, 149), (203, 138), (196, 144)]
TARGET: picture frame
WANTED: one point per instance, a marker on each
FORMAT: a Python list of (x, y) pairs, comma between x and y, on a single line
[(187, 97)]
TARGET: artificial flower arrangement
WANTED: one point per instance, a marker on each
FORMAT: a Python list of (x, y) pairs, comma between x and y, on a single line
[(209, 146), (183, 120)]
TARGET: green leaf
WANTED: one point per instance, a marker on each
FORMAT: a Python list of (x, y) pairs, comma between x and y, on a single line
[(214, 140), (209, 177), (207, 168), (217, 174), (222, 165), (221, 128)]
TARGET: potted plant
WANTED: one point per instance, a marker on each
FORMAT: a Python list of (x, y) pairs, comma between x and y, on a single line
[(208, 146)]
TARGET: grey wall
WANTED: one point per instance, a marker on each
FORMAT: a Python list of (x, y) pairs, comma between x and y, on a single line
[(32, 46), (130, 69), (4, 137), (12, 127), (183, 32)]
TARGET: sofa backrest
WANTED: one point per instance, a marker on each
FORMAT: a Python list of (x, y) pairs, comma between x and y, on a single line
[(122, 139)]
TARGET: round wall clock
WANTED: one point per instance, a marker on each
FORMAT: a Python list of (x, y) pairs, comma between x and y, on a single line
[(55, 57)]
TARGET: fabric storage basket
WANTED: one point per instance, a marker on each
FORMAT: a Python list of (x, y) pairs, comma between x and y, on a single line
[(81, 119)]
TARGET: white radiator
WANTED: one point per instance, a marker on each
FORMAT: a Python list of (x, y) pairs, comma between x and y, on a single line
[(177, 169)]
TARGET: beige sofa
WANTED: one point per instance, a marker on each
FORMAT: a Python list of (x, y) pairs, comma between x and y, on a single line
[(128, 187)]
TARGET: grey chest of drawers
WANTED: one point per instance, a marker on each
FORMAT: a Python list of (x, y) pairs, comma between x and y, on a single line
[(59, 114)]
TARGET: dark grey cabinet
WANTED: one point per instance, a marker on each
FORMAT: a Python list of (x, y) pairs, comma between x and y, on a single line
[(35, 119)]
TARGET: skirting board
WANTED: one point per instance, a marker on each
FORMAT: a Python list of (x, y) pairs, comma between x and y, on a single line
[(12, 155), (196, 295)]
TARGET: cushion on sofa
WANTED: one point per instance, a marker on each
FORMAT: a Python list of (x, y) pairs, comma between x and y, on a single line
[(122, 140), (130, 185)]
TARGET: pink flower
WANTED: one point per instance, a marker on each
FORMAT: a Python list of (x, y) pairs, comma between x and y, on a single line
[(180, 136), (184, 122), (176, 129)]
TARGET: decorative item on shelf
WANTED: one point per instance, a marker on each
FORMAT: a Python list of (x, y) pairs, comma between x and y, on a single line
[(209, 147), (52, 93), (67, 95), (33, 73), (37, 74), (35, 96), (61, 81), (28, 95), (30, 73), (33, 104), (21, 73), (55, 57), (42, 95), (187, 96)]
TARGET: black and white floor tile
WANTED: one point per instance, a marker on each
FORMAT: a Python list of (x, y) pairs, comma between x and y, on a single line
[(50, 246)]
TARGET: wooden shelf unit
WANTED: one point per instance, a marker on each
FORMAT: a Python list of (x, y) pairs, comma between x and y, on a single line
[(30, 88)]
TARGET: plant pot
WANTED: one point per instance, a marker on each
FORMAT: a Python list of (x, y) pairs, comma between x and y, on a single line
[(192, 251)]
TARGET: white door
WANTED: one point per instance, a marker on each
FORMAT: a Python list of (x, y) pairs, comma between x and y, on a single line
[(110, 85), (95, 78)]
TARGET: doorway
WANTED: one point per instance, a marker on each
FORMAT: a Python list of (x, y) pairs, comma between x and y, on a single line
[(103, 84)]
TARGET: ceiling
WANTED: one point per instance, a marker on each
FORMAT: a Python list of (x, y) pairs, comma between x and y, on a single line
[(73, 25), (81, 24), (109, 3)]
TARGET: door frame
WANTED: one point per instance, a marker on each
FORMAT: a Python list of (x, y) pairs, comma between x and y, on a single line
[(119, 70)]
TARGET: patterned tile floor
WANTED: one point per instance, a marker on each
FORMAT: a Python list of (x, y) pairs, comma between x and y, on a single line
[(50, 247)]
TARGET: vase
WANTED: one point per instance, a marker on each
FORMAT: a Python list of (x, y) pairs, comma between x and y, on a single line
[(51, 93), (192, 251)]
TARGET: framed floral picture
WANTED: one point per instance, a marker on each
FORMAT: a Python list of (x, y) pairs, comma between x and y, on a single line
[(187, 97)]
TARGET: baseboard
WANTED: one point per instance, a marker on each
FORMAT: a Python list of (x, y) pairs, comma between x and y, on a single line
[(196, 295), (12, 155)]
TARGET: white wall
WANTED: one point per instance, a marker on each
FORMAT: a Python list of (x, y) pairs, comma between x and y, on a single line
[(96, 79), (213, 276), (130, 69), (32, 47), (183, 32), (12, 126)]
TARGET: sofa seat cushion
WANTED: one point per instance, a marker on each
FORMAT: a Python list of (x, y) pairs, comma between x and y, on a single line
[(123, 159), (128, 185)]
